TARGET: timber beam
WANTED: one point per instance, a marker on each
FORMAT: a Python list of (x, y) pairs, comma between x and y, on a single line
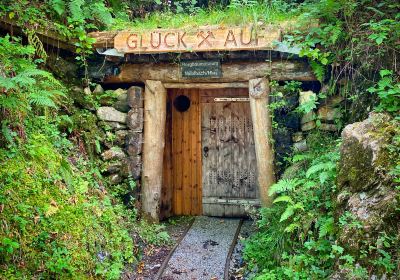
[(280, 70)]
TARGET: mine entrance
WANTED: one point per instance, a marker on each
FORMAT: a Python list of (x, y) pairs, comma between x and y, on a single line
[(209, 160)]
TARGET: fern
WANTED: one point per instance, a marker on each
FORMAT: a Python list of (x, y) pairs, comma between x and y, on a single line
[(325, 166), (318, 69), (102, 13), (75, 10), (326, 227), (58, 6), (284, 185), (42, 99)]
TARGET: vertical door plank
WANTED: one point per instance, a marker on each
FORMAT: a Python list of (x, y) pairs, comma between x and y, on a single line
[(185, 159), (167, 186), (194, 209), (177, 119)]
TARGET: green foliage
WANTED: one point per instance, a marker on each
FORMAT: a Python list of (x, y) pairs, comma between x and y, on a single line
[(26, 89), (388, 91), (354, 40), (301, 220), (55, 223), (152, 233), (237, 13)]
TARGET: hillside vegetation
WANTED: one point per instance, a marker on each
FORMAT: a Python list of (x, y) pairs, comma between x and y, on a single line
[(62, 219)]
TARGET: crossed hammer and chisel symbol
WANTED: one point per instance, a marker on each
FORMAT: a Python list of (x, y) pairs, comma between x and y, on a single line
[(205, 37)]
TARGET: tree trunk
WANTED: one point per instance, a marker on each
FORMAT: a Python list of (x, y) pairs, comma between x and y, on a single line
[(259, 90), (155, 98), (231, 72)]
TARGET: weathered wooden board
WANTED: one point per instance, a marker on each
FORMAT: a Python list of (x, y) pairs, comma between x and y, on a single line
[(183, 151), (209, 38), (228, 160), (231, 72), (167, 183), (155, 98), (259, 90)]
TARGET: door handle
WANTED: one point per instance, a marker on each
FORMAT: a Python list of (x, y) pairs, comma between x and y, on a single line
[(205, 150)]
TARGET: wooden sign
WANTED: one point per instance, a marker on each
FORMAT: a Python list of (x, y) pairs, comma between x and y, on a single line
[(231, 99), (198, 40), (201, 69)]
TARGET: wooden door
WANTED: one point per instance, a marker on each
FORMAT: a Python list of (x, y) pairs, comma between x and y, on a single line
[(181, 192), (228, 153)]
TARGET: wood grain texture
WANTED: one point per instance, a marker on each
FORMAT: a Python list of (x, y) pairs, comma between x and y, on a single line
[(229, 162), (259, 94), (167, 184), (185, 146), (207, 85), (231, 72), (153, 147), (210, 38)]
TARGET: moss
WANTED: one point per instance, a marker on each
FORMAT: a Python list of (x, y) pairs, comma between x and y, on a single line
[(85, 125), (64, 225)]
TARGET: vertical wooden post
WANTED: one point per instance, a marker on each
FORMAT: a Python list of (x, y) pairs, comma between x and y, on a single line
[(259, 90), (155, 105)]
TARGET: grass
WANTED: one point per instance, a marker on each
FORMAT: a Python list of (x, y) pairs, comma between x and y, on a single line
[(228, 16)]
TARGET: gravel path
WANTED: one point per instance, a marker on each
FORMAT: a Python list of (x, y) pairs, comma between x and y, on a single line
[(202, 252)]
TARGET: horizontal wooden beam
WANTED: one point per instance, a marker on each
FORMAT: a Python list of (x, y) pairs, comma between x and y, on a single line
[(198, 39), (47, 37), (207, 85), (231, 201), (231, 72), (104, 39)]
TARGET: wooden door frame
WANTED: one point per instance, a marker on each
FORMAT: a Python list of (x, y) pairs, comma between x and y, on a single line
[(155, 104)]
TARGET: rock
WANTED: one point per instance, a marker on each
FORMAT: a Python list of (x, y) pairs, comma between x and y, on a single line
[(114, 153), (366, 188), (333, 100), (308, 126), (328, 113), (98, 89), (115, 179), (135, 119), (134, 142), (307, 96), (121, 106), (328, 127), (124, 172), (135, 97), (297, 136), (113, 167), (283, 145), (120, 137), (65, 68), (135, 166), (308, 117), (87, 91), (357, 173), (111, 114), (122, 97), (117, 138), (113, 125), (81, 99), (119, 92), (289, 120), (301, 146)]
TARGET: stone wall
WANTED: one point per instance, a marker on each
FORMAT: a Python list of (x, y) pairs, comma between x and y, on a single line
[(122, 119), (291, 128)]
